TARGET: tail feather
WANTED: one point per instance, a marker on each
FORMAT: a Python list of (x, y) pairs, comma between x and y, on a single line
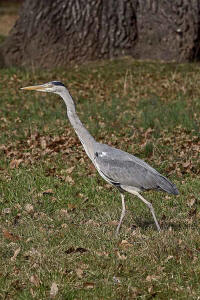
[(167, 186)]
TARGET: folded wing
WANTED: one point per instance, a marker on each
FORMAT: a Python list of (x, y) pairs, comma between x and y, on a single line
[(123, 169)]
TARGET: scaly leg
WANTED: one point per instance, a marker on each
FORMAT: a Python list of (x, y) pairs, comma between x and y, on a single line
[(122, 213), (151, 209)]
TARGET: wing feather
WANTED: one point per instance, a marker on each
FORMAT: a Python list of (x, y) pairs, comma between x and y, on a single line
[(125, 169)]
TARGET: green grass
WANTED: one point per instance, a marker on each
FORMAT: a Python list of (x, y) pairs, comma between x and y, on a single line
[(57, 224), (158, 115)]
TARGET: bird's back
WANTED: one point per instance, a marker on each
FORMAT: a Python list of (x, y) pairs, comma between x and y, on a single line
[(125, 170)]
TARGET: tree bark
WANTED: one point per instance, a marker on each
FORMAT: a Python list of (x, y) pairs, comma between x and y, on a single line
[(60, 32), (168, 30)]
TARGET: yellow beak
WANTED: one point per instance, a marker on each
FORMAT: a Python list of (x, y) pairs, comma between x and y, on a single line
[(34, 87)]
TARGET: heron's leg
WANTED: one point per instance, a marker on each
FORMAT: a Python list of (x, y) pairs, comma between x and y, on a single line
[(151, 209), (122, 213)]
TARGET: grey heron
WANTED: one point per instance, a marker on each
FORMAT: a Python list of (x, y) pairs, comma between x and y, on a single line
[(121, 169)]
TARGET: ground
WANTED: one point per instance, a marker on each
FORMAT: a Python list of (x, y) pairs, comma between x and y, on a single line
[(58, 217)]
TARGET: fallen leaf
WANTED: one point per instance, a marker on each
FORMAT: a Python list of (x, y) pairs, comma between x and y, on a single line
[(152, 277), (64, 213), (125, 244), (10, 236), (114, 223), (81, 250), (54, 290), (186, 164), (149, 130), (89, 285), (103, 253), (29, 208), (13, 258), (121, 256), (35, 280), (192, 212), (70, 170), (168, 258), (30, 239), (93, 223), (6, 211), (71, 206), (48, 192), (43, 143), (70, 250), (33, 253), (191, 202), (69, 179), (15, 163), (79, 273), (75, 250), (32, 293), (64, 225)]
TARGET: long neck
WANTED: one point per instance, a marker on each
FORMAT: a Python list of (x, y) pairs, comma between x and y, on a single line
[(85, 137)]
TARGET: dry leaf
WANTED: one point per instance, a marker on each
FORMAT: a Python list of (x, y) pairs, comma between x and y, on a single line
[(125, 244), (93, 223), (43, 143), (79, 273), (168, 258), (69, 179), (15, 163), (48, 192), (6, 211), (10, 236), (35, 280), (152, 277), (64, 225), (191, 202), (30, 239), (121, 256), (149, 130), (32, 293), (13, 258), (103, 253), (186, 164), (54, 290), (70, 170), (75, 250), (89, 285), (63, 212), (29, 208), (114, 223), (33, 253), (71, 206)]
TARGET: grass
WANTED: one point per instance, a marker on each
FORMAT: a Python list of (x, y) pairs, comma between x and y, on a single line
[(58, 222), (156, 114)]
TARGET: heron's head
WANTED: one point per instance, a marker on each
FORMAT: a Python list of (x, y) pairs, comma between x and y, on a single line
[(56, 87)]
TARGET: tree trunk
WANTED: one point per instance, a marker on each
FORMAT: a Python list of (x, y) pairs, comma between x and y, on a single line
[(168, 30), (57, 32), (60, 32)]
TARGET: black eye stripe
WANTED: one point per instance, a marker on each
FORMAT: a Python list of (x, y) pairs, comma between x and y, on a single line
[(57, 83)]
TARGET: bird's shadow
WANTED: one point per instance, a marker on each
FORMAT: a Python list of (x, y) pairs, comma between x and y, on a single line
[(165, 225)]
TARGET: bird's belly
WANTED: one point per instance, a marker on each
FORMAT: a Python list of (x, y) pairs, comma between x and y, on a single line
[(130, 189)]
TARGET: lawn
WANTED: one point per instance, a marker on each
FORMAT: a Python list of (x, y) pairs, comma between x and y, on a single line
[(58, 217)]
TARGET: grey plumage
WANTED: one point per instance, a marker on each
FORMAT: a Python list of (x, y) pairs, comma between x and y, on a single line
[(121, 169), (125, 169)]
